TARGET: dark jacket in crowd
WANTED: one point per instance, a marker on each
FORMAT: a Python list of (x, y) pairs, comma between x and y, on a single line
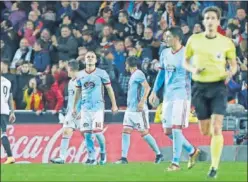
[(41, 60)]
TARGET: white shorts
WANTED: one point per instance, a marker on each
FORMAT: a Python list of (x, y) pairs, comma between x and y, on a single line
[(70, 121), (136, 120), (91, 120), (176, 113)]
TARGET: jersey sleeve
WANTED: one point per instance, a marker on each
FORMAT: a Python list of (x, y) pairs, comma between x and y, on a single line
[(161, 60), (78, 83), (188, 53), (231, 52), (105, 78), (140, 77)]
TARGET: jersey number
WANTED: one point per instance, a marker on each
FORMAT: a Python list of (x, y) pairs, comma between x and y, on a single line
[(5, 90)]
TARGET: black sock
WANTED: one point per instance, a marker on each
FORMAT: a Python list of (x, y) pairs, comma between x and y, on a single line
[(6, 145)]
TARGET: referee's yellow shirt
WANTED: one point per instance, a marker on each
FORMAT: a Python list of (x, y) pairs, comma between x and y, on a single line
[(210, 54)]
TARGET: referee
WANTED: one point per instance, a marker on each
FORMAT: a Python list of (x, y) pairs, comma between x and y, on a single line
[(206, 57)]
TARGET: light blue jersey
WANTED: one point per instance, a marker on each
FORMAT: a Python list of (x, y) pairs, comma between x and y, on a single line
[(177, 82), (135, 91), (92, 96), (71, 95)]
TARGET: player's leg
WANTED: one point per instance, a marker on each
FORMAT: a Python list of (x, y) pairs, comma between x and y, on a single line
[(128, 126), (5, 140), (98, 123), (167, 127), (69, 125), (86, 131), (142, 124), (218, 107)]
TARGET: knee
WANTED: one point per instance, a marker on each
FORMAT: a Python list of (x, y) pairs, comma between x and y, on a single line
[(167, 131), (217, 129), (127, 130), (67, 132), (143, 133)]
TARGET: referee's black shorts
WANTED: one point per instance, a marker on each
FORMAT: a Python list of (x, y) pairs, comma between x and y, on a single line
[(4, 122), (209, 98)]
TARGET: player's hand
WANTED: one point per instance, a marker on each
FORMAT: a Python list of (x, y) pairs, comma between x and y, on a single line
[(141, 106), (12, 117), (197, 71), (114, 109), (152, 98), (228, 76)]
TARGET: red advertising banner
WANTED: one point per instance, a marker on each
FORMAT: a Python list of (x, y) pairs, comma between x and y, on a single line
[(37, 143)]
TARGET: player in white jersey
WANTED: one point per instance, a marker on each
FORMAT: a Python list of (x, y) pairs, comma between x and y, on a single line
[(177, 96), (7, 115), (70, 123), (90, 84), (137, 114)]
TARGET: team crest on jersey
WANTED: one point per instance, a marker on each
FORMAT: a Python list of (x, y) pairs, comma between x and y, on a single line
[(170, 68), (70, 92), (89, 85)]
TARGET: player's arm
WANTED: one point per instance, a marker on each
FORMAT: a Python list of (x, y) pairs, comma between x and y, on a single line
[(147, 90), (111, 95), (78, 91), (12, 117), (231, 59)]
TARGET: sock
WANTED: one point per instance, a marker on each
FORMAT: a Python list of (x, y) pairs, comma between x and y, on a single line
[(186, 145), (152, 143), (216, 146), (90, 145), (101, 140), (6, 145), (125, 144), (64, 146), (177, 145)]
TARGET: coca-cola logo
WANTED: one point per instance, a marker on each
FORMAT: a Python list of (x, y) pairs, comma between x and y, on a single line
[(41, 149)]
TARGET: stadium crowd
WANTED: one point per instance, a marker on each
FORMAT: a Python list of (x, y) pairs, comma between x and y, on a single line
[(38, 38)]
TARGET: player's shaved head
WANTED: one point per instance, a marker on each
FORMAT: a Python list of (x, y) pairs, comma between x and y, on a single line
[(132, 61), (73, 64)]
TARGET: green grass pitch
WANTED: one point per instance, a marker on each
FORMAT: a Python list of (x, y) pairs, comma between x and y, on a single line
[(229, 171)]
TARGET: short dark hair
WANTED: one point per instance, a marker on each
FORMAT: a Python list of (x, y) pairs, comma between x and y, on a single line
[(132, 61), (213, 9), (73, 64), (124, 13), (176, 32)]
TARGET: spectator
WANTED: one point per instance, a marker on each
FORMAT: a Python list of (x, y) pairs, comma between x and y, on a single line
[(33, 98), (186, 32), (11, 77), (139, 31), (16, 13), (9, 36), (53, 98), (163, 26), (22, 54), (244, 34), (88, 41), (6, 53), (42, 58), (107, 37), (242, 17), (128, 42), (38, 24), (123, 28), (151, 20), (197, 28), (119, 56), (137, 11), (66, 45), (143, 53), (65, 9), (169, 14), (193, 15), (23, 77), (35, 7), (45, 38), (28, 32), (49, 17), (106, 63), (81, 57), (103, 19)]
